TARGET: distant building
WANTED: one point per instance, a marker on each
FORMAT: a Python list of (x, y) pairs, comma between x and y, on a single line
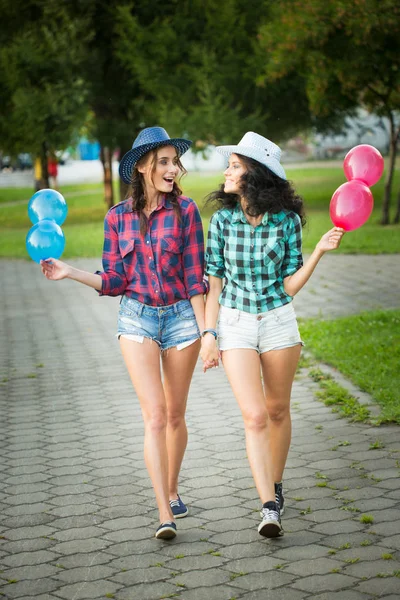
[(365, 128)]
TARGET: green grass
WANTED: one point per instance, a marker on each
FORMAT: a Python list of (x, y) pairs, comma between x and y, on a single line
[(86, 209), (366, 349)]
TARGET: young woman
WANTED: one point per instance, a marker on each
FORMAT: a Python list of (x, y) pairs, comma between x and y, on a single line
[(153, 256), (255, 267)]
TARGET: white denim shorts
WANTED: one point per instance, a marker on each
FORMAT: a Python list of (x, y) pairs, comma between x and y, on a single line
[(271, 330)]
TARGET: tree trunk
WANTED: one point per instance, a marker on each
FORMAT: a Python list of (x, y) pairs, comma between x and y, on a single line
[(397, 215), (123, 187), (45, 172), (106, 159), (385, 219)]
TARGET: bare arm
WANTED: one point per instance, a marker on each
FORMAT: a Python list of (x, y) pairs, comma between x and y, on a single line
[(209, 350), (197, 303), (56, 270), (329, 241)]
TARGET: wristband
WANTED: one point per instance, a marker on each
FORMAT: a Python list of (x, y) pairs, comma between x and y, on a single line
[(212, 331)]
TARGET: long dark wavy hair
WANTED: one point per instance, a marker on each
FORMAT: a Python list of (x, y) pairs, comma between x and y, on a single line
[(137, 189), (263, 190)]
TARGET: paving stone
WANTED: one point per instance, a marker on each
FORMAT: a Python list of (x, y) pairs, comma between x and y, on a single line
[(328, 582), (77, 509), (88, 589)]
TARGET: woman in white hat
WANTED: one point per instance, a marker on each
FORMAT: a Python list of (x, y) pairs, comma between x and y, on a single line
[(255, 267), (153, 257)]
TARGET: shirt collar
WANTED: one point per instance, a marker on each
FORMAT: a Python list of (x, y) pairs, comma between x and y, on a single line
[(165, 203), (275, 218)]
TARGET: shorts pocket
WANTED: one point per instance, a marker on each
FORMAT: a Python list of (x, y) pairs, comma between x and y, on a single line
[(129, 308), (186, 312), (228, 316)]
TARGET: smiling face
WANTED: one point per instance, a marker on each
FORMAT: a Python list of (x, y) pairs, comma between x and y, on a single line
[(159, 170), (233, 175)]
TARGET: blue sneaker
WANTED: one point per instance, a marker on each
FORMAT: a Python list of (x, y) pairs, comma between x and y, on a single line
[(179, 509), (166, 531)]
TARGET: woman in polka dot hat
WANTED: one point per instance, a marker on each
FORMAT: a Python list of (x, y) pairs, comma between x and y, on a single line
[(255, 267), (153, 257)]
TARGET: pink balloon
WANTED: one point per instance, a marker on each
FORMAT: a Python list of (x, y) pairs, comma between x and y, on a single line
[(351, 205), (365, 163)]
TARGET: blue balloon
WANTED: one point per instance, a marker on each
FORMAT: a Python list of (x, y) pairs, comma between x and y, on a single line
[(45, 240), (47, 204)]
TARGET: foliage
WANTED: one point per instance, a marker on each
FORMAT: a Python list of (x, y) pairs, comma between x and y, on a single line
[(347, 52), (197, 62), (42, 92)]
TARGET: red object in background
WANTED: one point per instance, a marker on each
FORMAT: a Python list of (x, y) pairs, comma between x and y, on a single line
[(351, 205), (52, 167), (365, 163)]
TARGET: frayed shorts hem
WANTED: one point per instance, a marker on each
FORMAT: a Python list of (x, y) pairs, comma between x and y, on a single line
[(140, 339)]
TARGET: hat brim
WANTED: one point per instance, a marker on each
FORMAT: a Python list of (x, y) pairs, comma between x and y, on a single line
[(129, 160), (272, 163)]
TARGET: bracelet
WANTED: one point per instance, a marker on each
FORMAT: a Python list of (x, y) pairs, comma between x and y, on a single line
[(212, 331)]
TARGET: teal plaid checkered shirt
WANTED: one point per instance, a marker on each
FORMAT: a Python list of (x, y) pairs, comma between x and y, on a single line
[(253, 261)]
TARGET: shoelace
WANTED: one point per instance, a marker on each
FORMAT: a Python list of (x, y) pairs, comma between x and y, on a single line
[(270, 514), (174, 502)]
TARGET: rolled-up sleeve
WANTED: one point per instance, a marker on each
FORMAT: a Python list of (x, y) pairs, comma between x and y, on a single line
[(113, 276), (193, 253), (293, 258), (215, 263)]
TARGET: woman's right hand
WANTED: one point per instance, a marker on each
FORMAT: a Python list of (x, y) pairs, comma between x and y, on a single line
[(54, 269), (209, 352)]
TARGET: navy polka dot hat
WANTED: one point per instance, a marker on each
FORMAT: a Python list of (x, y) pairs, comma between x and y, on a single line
[(148, 139)]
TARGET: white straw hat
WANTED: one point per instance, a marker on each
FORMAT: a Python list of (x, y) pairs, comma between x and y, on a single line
[(260, 149)]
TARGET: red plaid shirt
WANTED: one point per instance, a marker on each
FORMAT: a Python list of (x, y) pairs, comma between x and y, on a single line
[(162, 267)]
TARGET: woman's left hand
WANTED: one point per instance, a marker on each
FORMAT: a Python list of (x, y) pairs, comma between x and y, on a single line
[(331, 239)]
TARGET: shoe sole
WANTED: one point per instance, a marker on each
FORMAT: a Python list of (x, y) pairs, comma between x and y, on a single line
[(181, 515), (270, 529), (166, 534)]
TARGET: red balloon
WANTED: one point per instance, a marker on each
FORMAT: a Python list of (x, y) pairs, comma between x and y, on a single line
[(351, 205), (365, 163)]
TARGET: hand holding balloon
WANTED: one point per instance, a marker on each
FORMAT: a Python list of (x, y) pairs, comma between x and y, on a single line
[(54, 269), (331, 239)]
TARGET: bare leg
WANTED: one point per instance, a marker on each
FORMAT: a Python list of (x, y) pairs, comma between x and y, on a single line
[(143, 364), (243, 370), (279, 368), (178, 367)]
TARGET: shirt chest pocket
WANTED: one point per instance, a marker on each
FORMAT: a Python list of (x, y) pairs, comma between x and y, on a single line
[(273, 254), (171, 256), (127, 250)]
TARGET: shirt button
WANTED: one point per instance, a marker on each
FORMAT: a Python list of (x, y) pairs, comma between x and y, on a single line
[(147, 242), (259, 318)]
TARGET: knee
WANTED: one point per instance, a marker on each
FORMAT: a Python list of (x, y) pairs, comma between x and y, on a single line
[(256, 421), (278, 412), (156, 422), (175, 419)]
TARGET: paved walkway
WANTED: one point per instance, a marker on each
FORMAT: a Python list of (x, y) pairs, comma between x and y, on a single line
[(77, 514)]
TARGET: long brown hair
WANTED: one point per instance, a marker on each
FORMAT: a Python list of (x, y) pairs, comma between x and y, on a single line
[(136, 188)]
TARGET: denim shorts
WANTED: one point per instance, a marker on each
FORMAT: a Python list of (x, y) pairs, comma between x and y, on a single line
[(169, 326), (271, 330)]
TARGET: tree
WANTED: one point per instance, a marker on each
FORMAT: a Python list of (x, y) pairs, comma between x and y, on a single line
[(197, 63), (348, 54), (42, 93)]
